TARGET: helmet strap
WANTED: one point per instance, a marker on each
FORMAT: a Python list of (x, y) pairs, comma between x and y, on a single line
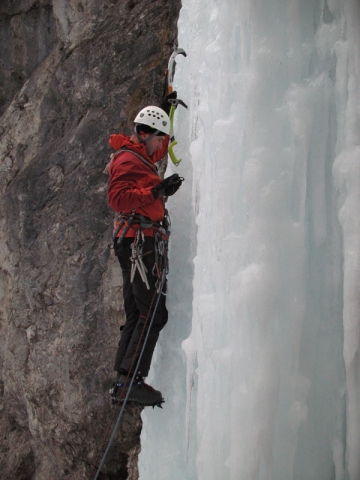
[(142, 140)]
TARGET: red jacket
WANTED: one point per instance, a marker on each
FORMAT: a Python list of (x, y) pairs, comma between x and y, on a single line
[(131, 180)]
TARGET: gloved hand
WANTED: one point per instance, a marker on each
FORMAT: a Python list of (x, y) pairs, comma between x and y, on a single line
[(165, 104), (168, 186)]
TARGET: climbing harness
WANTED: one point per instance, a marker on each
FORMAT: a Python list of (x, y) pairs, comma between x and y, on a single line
[(174, 101), (125, 221), (136, 221), (161, 237)]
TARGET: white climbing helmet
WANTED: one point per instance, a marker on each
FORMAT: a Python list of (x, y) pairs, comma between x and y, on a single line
[(155, 118)]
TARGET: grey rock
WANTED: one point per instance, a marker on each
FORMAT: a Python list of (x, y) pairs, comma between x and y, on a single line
[(73, 73)]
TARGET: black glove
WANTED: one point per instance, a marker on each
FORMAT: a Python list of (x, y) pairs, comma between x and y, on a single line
[(168, 186), (165, 104)]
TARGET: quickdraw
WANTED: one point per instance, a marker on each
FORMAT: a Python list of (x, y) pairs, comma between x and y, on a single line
[(162, 235), (137, 258), (161, 265)]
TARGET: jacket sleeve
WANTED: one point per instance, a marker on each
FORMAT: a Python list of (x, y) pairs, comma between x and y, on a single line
[(130, 185)]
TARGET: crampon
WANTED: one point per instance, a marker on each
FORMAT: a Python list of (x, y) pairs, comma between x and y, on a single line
[(118, 395)]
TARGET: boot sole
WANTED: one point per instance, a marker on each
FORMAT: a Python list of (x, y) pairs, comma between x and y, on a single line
[(133, 403)]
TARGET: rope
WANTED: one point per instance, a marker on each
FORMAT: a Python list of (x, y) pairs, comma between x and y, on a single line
[(135, 370)]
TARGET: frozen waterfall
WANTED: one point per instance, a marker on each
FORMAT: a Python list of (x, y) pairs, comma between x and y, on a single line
[(259, 363)]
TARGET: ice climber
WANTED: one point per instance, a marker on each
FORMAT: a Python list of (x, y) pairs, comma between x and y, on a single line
[(137, 193)]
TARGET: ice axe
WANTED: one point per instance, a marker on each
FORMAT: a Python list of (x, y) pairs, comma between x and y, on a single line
[(174, 102)]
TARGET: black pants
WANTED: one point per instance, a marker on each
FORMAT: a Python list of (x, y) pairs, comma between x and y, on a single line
[(137, 303)]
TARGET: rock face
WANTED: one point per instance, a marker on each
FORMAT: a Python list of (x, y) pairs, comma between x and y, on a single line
[(72, 72)]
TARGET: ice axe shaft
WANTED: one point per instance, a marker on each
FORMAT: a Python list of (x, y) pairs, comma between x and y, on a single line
[(173, 142), (174, 102), (170, 70)]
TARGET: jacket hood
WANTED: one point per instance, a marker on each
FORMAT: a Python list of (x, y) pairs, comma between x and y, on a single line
[(119, 140)]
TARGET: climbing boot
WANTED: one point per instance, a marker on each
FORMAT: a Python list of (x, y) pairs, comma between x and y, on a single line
[(140, 392)]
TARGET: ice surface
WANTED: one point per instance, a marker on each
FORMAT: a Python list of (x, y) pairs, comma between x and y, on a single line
[(259, 361)]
